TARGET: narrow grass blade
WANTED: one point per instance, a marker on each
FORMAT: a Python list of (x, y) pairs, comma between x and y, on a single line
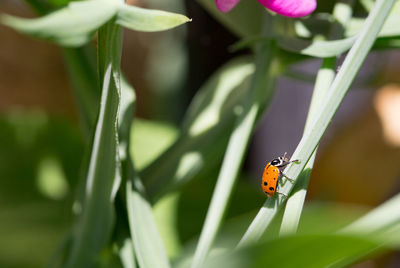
[(342, 12), (148, 20), (337, 91), (127, 106), (94, 226), (260, 93), (127, 255), (145, 240), (147, 244), (149, 249), (295, 202)]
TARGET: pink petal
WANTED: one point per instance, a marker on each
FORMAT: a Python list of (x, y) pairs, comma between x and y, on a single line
[(290, 8), (226, 5)]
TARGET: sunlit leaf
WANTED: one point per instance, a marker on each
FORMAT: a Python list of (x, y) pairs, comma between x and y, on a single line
[(148, 20), (103, 178), (205, 129), (321, 49), (73, 25)]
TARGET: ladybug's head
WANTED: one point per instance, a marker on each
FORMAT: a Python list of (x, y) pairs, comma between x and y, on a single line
[(282, 161), (278, 162)]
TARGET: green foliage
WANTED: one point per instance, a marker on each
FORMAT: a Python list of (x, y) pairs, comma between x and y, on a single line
[(71, 26), (103, 178), (205, 130), (76, 24), (35, 145), (312, 251), (327, 109), (144, 187)]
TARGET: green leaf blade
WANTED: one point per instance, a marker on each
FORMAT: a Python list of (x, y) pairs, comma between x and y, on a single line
[(147, 242), (71, 26), (337, 91), (94, 226), (147, 20), (320, 49), (205, 130)]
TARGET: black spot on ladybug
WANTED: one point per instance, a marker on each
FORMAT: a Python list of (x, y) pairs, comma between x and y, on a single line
[(274, 179), (271, 188), (266, 192), (265, 183)]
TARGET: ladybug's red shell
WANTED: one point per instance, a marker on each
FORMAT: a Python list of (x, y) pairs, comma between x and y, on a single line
[(270, 179)]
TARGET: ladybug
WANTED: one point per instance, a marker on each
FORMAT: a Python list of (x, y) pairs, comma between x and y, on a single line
[(270, 178)]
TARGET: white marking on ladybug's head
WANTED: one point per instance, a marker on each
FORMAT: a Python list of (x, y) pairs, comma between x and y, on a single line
[(277, 162)]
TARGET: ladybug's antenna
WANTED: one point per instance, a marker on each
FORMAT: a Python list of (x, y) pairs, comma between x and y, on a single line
[(284, 156)]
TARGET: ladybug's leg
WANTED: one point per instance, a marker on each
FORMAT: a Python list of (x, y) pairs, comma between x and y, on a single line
[(292, 180), (279, 185), (281, 194)]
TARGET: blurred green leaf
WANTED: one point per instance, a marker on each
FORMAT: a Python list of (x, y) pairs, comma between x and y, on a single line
[(147, 242), (51, 179), (148, 247), (195, 198), (389, 29), (317, 48), (165, 213), (73, 25), (125, 249), (127, 255), (76, 24), (387, 43), (24, 227), (148, 20), (45, 6), (149, 140), (205, 129), (311, 251), (49, 146)]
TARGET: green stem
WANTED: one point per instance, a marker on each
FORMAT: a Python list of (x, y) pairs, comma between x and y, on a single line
[(94, 226), (295, 203), (337, 91), (342, 12), (259, 94)]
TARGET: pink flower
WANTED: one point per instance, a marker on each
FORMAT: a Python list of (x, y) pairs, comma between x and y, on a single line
[(288, 8)]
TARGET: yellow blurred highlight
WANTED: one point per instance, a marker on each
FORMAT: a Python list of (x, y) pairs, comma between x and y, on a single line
[(51, 181), (387, 106), (359, 164)]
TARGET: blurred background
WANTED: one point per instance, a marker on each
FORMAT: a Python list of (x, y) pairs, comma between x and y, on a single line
[(41, 140)]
